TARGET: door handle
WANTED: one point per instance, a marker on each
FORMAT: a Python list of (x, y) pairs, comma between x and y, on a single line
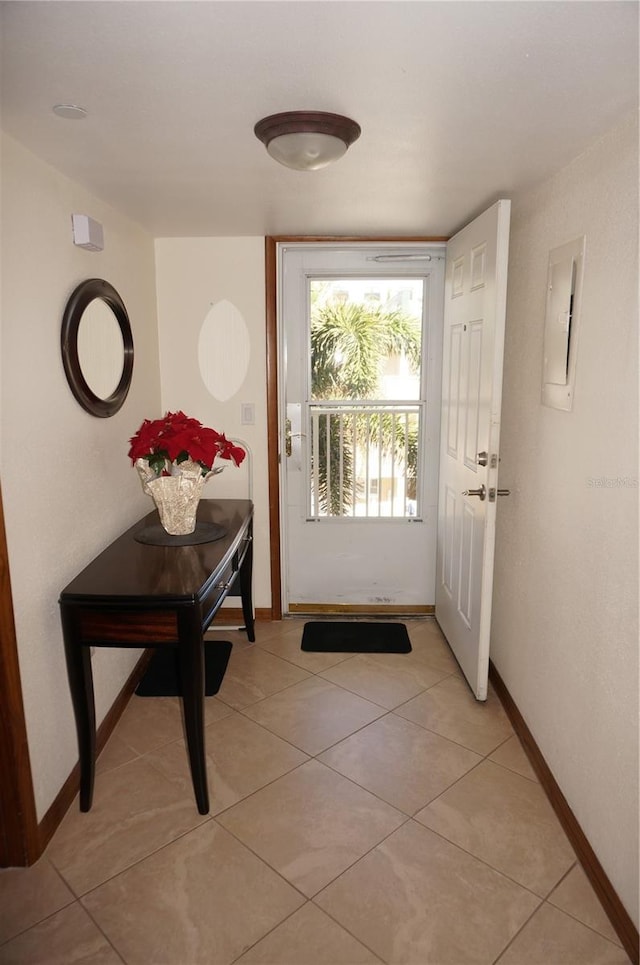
[(481, 493), (498, 492), (289, 435)]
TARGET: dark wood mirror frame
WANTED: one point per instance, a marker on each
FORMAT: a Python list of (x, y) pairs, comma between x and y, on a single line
[(86, 292)]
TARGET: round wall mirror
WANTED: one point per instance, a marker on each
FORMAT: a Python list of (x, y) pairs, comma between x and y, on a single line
[(97, 347)]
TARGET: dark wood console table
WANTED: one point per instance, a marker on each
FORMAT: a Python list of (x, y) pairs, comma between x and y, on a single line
[(137, 595)]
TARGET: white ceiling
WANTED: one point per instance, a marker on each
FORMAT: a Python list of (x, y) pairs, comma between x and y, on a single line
[(459, 102)]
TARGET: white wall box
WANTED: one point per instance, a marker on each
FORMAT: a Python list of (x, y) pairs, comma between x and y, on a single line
[(564, 289), (87, 233)]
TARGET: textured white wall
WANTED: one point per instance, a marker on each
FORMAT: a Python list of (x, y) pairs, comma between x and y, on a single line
[(192, 275), (67, 485), (565, 630)]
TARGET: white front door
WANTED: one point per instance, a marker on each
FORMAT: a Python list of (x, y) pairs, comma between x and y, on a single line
[(360, 366), (474, 319)]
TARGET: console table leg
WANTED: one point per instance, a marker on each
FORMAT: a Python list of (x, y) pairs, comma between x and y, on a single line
[(81, 687), (191, 663), (246, 574)]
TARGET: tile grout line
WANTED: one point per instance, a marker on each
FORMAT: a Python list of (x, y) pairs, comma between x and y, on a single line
[(545, 901), (535, 911), (563, 911), (103, 933), (345, 927), (266, 934), (541, 898), (41, 921), (577, 864), (80, 896)]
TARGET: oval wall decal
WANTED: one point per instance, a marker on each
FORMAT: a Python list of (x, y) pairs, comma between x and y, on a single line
[(223, 350)]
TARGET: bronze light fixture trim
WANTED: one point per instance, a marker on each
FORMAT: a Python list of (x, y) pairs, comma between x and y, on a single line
[(306, 140)]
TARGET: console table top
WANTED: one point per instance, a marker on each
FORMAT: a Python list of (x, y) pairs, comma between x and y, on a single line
[(128, 570)]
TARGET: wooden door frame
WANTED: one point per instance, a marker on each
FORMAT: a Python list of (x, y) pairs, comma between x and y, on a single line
[(19, 832), (273, 455)]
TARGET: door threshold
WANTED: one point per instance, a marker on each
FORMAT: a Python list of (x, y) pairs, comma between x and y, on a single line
[(362, 609)]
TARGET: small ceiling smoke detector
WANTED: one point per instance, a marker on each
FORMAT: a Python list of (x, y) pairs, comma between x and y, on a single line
[(306, 140), (70, 111)]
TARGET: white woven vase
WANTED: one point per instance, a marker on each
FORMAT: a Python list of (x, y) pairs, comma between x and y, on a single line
[(177, 496)]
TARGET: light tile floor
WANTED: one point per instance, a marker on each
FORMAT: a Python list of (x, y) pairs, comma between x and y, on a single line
[(364, 810)]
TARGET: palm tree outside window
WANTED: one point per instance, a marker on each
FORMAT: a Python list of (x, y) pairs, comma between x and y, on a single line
[(365, 410)]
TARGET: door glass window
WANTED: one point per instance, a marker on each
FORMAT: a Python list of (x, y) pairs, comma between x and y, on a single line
[(365, 409)]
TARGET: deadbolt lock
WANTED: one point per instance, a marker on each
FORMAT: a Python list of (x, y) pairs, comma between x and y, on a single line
[(482, 459)]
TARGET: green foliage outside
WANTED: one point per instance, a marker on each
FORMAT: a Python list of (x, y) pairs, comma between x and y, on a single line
[(350, 344)]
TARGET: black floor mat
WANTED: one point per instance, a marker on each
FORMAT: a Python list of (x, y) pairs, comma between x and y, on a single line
[(355, 637), (162, 678)]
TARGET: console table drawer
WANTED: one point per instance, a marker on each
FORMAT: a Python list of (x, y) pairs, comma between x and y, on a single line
[(142, 626), (218, 592)]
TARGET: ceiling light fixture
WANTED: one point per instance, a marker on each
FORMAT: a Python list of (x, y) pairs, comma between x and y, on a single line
[(69, 111), (306, 140)]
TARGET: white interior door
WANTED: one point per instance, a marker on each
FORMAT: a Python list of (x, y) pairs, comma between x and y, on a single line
[(359, 469), (473, 344)]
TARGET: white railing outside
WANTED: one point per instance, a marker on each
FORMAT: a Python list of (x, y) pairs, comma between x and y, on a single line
[(363, 459)]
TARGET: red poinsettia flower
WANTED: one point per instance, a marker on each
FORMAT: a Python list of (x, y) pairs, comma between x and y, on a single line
[(176, 438)]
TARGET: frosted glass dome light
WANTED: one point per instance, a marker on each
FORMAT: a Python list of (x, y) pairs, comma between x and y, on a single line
[(306, 140)]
